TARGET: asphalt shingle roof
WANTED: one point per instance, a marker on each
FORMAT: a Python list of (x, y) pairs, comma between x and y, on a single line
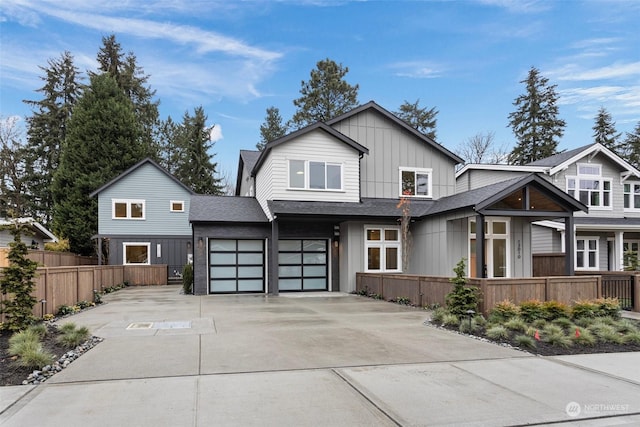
[(371, 208), (249, 157), (559, 158), (225, 209)]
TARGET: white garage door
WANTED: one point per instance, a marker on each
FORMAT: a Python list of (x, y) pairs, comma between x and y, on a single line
[(302, 265), (236, 266)]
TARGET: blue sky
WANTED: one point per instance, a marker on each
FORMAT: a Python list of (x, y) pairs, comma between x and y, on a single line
[(236, 58)]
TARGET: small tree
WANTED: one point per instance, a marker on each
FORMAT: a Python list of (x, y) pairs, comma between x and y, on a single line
[(187, 278), (462, 298), (17, 282), (405, 233)]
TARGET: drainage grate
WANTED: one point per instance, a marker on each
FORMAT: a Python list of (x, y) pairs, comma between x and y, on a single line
[(172, 325), (140, 325)]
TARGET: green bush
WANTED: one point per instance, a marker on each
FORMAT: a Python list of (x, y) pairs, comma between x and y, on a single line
[(552, 310), (564, 323), (468, 326), (625, 326), (532, 310), (450, 319), (584, 308), (585, 338), (631, 338), (187, 278), (35, 357), (64, 310), (438, 314), (39, 329), (608, 307), (516, 324), (85, 304), (525, 341), (462, 298), (22, 341), (71, 336), (497, 333), (558, 340), (539, 323), (503, 311), (552, 329)]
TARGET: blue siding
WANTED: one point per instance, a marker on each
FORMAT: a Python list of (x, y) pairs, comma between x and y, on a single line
[(157, 190)]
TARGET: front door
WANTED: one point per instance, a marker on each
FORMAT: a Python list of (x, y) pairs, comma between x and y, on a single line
[(496, 247)]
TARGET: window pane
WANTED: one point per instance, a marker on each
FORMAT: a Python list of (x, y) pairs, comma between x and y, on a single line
[(334, 177), (223, 286), (580, 259), (315, 283), (627, 188), (120, 210), (286, 258), (316, 175), (136, 210), (250, 245), (472, 227), (315, 271), (223, 258), (580, 245), (249, 258), (296, 173), (247, 285), (249, 271), (391, 259), (636, 202), (593, 245), (223, 272), (391, 235), (290, 271), (373, 258), (627, 201), (606, 185), (289, 245), (592, 259), (584, 197), (606, 199), (314, 258), (314, 246), (422, 184), (408, 183), (176, 206), (595, 199), (290, 284), (136, 254), (222, 245), (571, 183), (373, 234), (499, 258), (499, 227)]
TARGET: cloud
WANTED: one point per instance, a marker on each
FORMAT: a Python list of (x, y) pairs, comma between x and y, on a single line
[(216, 133), (575, 72), (518, 6), (417, 69)]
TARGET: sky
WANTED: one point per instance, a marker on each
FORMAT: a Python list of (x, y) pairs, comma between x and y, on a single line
[(237, 58)]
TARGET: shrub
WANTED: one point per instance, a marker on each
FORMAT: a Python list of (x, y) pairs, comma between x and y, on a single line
[(563, 322), (497, 333), (462, 298), (22, 341), (71, 336), (552, 329), (585, 338), (503, 311), (631, 338), (531, 310), (584, 308), (35, 357), (584, 322), (608, 307), (525, 341), (85, 304), (187, 278), (403, 300), (67, 327), (539, 323), (516, 324), (558, 340), (438, 314), (625, 326), (450, 319), (480, 320), (606, 333), (48, 317), (64, 310), (39, 329), (555, 310), (468, 326), (375, 296)]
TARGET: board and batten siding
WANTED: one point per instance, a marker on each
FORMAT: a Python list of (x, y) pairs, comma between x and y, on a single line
[(273, 177), (157, 190), (391, 147), (477, 178)]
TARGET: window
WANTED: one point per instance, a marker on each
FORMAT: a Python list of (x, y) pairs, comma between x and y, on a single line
[(587, 253), (589, 187), (631, 195), (630, 254), (496, 247), (136, 253), (382, 249), (415, 182), (312, 175), (128, 209), (176, 206)]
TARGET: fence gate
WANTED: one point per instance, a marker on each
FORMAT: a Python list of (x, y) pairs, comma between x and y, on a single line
[(619, 286)]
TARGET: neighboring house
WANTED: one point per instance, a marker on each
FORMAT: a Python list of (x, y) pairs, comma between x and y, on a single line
[(143, 217), (321, 204), (599, 179), (37, 237)]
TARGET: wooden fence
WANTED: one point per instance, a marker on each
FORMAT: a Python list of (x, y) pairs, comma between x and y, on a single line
[(50, 258), (69, 285), (428, 290), (551, 264)]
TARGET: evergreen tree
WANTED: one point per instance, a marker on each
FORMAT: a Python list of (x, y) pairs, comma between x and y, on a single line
[(535, 122), (604, 130), (631, 152), (134, 83), (422, 119), (13, 164), (16, 283), (195, 168), (46, 132), (272, 128), (169, 150), (102, 142), (325, 96)]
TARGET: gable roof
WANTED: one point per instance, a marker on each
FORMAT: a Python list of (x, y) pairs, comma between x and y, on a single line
[(483, 197), (371, 105), (247, 160), (559, 158), (225, 209), (307, 129), (366, 208), (134, 168), (500, 167), (35, 225)]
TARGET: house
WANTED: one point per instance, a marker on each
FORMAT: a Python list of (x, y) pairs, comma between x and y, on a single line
[(320, 204), (143, 218), (39, 234), (599, 179)]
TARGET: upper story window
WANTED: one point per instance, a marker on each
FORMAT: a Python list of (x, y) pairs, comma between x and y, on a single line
[(590, 187), (312, 175), (176, 206), (127, 209), (415, 182), (631, 195)]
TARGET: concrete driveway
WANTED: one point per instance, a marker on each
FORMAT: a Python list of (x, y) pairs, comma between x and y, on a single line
[(309, 359)]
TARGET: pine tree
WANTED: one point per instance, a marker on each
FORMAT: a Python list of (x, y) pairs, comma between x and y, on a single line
[(102, 142), (422, 119), (195, 168), (535, 122), (604, 130), (272, 128), (631, 151), (46, 132), (168, 146), (325, 96), (13, 165)]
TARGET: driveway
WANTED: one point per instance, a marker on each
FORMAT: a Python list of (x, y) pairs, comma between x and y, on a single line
[(309, 359)]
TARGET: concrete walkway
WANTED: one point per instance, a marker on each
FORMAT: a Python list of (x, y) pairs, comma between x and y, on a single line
[(310, 360)]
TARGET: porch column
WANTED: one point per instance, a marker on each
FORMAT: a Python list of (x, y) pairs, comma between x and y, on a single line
[(619, 251), (569, 238), (481, 271), (273, 259), (99, 250)]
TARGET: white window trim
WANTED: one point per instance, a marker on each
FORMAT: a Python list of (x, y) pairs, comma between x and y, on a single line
[(307, 176), (382, 244), (586, 252), (631, 194), (578, 176), (128, 202), (171, 202), (489, 237), (124, 252), (425, 171)]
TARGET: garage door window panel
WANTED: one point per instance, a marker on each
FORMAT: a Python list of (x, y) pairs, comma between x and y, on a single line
[(236, 265), (302, 265)]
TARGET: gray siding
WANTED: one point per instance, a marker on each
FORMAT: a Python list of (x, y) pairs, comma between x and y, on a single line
[(545, 240), (157, 190), (6, 238), (476, 178), (390, 148), (173, 250)]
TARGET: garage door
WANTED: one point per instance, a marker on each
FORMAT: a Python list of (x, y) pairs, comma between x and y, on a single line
[(302, 265), (236, 266)]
